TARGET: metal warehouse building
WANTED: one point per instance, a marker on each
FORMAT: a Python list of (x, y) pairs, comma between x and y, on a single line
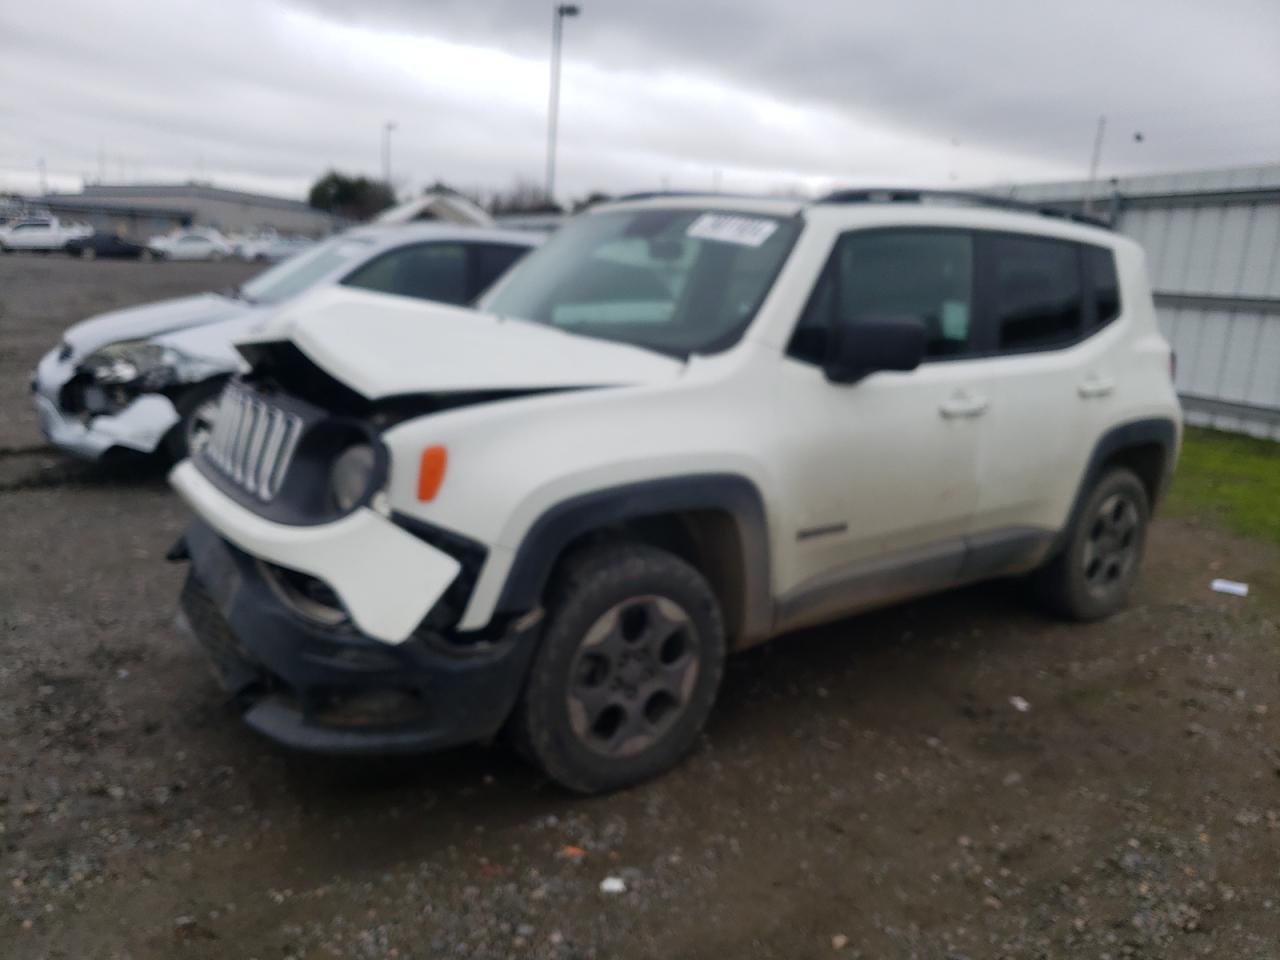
[(140, 210), (1213, 250)]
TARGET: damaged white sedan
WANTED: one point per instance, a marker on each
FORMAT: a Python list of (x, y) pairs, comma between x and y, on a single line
[(146, 379)]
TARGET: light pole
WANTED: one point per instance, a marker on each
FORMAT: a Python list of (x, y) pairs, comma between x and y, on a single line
[(386, 151), (562, 10), (1093, 163)]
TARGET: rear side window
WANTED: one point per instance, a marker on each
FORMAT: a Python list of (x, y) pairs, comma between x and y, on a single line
[(1035, 292), (917, 272), (489, 261), (1105, 284), (427, 271)]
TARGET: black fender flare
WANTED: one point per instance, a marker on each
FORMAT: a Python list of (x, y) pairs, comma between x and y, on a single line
[(564, 522), (1161, 431)]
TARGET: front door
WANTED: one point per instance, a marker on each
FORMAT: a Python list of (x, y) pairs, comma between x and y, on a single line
[(883, 472)]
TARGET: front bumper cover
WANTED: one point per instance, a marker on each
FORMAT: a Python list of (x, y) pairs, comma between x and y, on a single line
[(339, 691)]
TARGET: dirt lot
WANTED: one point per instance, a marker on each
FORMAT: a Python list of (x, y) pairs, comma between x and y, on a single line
[(864, 790)]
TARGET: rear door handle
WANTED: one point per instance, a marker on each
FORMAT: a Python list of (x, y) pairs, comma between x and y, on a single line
[(964, 405), (1096, 386)]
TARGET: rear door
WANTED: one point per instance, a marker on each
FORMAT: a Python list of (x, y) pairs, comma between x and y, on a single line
[(1032, 326)]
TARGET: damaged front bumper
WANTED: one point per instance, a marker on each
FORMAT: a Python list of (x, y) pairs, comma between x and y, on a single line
[(140, 426), (334, 689)]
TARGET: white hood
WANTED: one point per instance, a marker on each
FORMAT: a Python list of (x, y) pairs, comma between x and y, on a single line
[(382, 346), (139, 323)]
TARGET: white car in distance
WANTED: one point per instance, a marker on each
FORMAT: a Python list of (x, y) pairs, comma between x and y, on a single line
[(190, 245), (271, 248), (43, 235)]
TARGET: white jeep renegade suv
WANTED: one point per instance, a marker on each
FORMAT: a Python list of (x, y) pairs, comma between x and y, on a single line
[(681, 427)]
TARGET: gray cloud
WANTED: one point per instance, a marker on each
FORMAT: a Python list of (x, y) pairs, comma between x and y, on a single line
[(268, 94), (1199, 79)]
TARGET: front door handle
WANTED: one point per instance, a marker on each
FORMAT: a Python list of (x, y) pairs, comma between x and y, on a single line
[(964, 404), (1096, 386)]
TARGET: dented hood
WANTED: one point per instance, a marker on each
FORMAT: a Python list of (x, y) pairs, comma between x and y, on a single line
[(139, 323), (383, 346)]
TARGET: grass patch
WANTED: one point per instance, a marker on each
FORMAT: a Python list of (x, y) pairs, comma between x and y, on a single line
[(1230, 479)]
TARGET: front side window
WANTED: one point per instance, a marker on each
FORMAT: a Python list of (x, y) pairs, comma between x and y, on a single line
[(679, 281), (922, 273), (427, 271), (1036, 292), (299, 273)]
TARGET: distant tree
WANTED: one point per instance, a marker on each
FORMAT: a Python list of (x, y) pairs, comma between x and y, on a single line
[(355, 198), (523, 196)]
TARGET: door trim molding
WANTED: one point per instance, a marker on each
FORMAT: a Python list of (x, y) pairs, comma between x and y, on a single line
[(936, 566)]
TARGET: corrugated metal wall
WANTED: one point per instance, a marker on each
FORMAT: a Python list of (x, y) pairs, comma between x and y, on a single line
[(1213, 248)]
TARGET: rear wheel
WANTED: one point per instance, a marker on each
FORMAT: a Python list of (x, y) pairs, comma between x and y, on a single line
[(1094, 573), (627, 670), (88, 253)]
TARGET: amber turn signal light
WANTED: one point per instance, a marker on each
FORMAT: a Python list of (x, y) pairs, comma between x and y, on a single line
[(431, 472)]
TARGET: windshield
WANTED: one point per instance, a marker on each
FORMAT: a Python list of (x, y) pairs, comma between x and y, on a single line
[(305, 270), (680, 281)]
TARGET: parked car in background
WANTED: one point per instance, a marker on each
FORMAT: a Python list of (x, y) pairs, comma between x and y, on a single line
[(683, 426), (145, 378), (271, 249), (43, 236), (107, 245), (190, 245)]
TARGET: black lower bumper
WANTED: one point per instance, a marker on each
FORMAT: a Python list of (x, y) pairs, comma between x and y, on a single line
[(332, 690)]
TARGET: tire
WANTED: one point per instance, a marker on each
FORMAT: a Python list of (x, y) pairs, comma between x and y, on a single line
[(146, 256), (627, 670), (88, 253), (1093, 574), (195, 406)]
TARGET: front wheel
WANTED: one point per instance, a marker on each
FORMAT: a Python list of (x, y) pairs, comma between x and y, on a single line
[(627, 671), (1093, 574)]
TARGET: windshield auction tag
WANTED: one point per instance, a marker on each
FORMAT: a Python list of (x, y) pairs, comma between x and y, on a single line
[(728, 228)]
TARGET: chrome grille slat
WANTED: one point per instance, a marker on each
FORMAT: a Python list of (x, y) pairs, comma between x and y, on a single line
[(252, 442)]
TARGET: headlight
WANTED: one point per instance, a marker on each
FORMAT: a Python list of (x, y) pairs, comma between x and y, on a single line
[(148, 365), (350, 476), (122, 363)]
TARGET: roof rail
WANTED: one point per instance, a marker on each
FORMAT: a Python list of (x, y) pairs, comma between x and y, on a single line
[(959, 197), (659, 194)]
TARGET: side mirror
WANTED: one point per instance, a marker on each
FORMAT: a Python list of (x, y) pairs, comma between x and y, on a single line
[(863, 345)]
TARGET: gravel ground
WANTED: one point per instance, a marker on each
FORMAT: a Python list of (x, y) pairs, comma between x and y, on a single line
[(871, 789)]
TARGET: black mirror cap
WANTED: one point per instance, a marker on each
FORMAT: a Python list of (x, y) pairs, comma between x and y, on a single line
[(866, 344)]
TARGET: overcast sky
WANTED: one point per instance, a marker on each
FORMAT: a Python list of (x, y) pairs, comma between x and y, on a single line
[(749, 95)]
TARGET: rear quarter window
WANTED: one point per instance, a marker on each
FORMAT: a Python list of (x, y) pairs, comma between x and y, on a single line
[(1104, 283)]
